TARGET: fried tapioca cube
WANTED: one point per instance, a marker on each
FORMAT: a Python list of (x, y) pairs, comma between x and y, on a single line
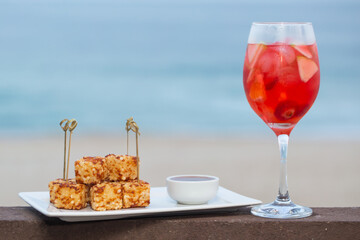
[(106, 196), (68, 194), (136, 194), (121, 167), (90, 170), (54, 185)]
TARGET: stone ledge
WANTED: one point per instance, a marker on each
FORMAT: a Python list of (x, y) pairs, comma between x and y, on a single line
[(326, 223)]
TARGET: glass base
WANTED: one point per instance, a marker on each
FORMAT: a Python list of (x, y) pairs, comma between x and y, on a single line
[(281, 210)]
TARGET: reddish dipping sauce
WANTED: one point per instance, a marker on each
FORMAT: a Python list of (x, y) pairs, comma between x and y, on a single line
[(192, 178)]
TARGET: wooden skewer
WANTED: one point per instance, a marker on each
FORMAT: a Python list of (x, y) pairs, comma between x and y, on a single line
[(131, 125), (128, 128), (127, 143), (72, 126), (137, 157), (65, 128)]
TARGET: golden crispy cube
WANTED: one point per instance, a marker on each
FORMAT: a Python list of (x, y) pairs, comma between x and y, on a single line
[(54, 186), (136, 194), (106, 196), (68, 194), (121, 167), (90, 170)]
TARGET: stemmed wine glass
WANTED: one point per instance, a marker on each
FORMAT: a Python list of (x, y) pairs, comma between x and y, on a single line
[(281, 81)]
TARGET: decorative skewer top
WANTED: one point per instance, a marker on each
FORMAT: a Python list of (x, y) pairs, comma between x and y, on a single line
[(72, 125), (131, 125), (66, 126), (69, 124)]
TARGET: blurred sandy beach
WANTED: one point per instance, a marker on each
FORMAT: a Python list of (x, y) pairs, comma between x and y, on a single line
[(321, 173)]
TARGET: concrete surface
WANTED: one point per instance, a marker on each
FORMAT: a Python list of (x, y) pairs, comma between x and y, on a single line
[(326, 223)]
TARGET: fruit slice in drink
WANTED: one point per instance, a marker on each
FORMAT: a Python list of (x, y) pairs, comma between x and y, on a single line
[(307, 68)]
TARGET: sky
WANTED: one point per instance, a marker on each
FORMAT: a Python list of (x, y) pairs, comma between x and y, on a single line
[(176, 66)]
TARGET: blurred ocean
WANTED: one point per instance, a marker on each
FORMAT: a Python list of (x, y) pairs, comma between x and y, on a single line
[(176, 66)]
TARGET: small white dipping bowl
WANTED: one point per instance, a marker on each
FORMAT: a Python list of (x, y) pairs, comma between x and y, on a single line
[(192, 189)]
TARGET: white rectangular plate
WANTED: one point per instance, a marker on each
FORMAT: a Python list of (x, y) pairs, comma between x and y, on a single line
[(160, 204)]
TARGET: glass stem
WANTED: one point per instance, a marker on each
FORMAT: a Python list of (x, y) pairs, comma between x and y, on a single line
[(283, 196)]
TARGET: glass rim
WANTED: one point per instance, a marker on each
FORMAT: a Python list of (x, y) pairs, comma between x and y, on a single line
[(281, 23)]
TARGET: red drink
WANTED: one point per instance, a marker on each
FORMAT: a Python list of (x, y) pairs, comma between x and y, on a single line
[(281, 82)]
